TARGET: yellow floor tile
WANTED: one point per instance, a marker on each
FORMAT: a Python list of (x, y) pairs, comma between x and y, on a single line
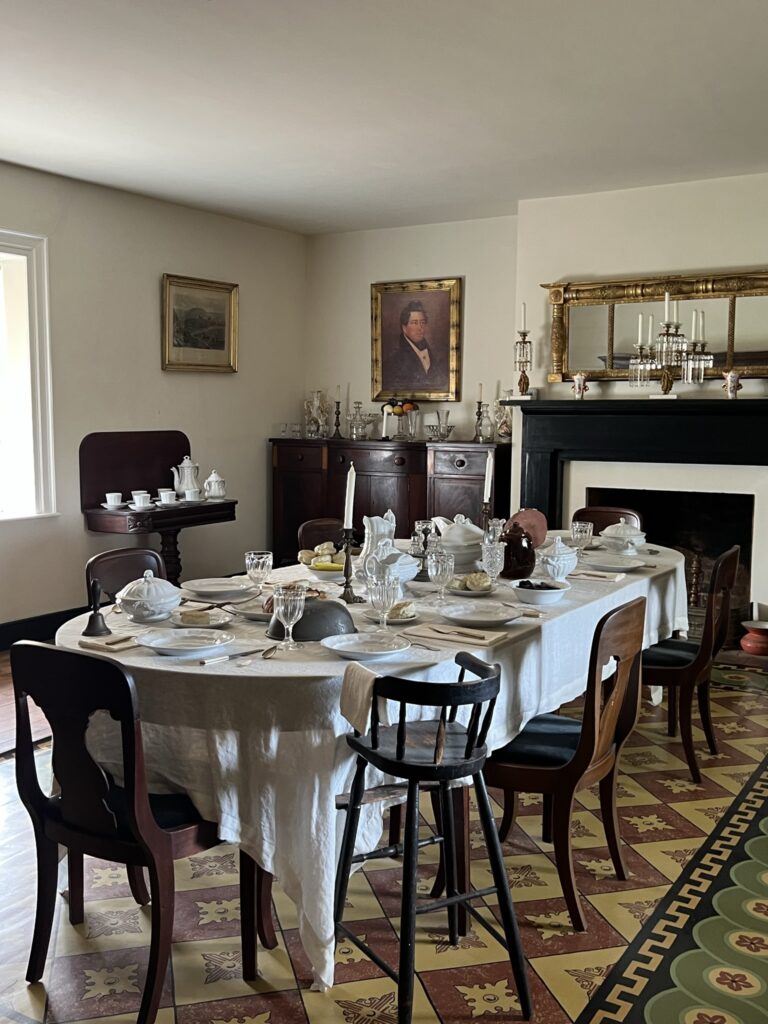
[(656, 732), (20, 1001), (733, 777), (629, 793), (671, 855), (704, 814), (374, 1001), (213, 969), (531, 877), (586, 830), (648, 759), (109, 924), (166, 1016), (753, 747), (573, 978), (217, 866), (434, 952), (628, 911)]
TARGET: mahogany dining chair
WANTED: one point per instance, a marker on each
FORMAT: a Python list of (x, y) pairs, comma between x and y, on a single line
[(316, 531), (557, 755), (606, 515), (120, 566)]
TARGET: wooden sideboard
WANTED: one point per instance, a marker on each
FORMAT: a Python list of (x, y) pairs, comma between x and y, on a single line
[(415, 479)]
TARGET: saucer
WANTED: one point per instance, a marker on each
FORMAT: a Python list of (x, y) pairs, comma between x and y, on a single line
[(140, 508), (114, 508)]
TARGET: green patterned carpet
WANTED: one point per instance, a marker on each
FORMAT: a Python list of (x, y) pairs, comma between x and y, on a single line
[(737, 677), (703, 956)]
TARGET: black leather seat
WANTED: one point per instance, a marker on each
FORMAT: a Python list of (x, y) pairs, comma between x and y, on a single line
[(671, 653), (545, 740)]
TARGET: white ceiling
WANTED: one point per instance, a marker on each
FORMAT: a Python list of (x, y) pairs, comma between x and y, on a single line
[(327, 115)]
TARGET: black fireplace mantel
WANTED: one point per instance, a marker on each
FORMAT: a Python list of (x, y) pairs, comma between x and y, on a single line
[(696, 431)]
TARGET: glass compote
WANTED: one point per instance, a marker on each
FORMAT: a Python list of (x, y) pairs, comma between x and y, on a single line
[(258, 565), (383, 593), (440, 569), (493, 559), (289, 607), (494, 530), (581, 535)]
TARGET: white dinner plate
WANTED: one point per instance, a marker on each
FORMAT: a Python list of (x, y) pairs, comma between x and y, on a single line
[(611, 563), (374, 617), (471, 593), (198, 643), (218, 619), (483, 616), (364, 646), (251, 609), (221, 589), (114, 508)]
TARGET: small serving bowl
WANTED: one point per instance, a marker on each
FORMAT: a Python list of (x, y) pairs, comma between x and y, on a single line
[(558, 591), (328, 575)]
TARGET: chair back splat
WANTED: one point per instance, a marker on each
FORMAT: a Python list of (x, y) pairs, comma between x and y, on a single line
[(606, 515), (317, 531)]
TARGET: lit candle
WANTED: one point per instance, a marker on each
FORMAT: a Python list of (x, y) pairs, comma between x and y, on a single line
[(666, 307), (488, 477), (349, 499), (650, 329), (338, 392), (702, 334), (522, 316), (480, 391), (384, 424), (694, 319), (639, 328)]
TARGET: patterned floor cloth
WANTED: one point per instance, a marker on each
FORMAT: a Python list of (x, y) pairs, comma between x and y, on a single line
[(703, 956), (96, 970), (739, 677)]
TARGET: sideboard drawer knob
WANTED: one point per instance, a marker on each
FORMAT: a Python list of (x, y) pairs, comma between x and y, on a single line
[(299, 457), (460, 463), (399, 460), (339, 458)]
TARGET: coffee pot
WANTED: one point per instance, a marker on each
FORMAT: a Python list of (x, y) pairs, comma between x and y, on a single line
[(185, 476)]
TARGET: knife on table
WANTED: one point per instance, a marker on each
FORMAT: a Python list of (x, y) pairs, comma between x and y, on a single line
[(230, 657)]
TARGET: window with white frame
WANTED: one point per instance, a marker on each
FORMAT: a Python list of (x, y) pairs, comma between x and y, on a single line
[(26, 427)]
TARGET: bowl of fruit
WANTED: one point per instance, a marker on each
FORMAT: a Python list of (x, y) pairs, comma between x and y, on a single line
[(406, 424), (540, 591)]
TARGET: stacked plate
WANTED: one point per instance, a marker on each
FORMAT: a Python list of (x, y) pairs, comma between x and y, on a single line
[(184, 643), (236, 588)]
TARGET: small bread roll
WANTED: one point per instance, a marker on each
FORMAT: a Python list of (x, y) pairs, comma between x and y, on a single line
[(326, 548), (305, 556), (478, 581), (192, 618), (403, 610), (458, 583)]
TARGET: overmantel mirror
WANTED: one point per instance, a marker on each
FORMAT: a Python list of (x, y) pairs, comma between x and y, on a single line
[(596, 326)]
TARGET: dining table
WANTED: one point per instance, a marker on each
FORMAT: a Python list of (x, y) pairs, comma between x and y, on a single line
[(260, 744)]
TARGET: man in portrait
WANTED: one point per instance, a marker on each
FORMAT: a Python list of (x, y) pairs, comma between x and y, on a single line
[(413, 360)]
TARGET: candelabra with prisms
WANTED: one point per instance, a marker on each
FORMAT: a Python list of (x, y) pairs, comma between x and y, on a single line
[(669, 354), (523, 361)]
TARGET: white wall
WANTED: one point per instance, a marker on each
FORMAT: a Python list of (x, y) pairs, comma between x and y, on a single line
[(107, 253), (342, 268)]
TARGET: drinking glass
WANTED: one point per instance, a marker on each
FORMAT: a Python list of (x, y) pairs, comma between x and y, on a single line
[(493, 559), (440, 569), (289, 607), (581, 535), (258, 565), (413, 424), (383, 594)]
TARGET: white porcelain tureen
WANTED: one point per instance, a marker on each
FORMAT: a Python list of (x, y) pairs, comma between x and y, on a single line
[(558, 559), (622, 536), (149, 599)]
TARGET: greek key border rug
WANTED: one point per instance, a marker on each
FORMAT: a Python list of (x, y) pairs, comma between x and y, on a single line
[(702, 958)]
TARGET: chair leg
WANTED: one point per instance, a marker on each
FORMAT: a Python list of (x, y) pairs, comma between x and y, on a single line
[(138, 884), (161, 882), (439, 883), (672, 711), (611, 821), (348, 840), (395, 824), (702, 692), (408, 907), (500, 880), (686, 732), (248, 915), (265, 925), (47, 877), (75, 885), (508, 817), (561, 834), (546, 818), (448, 830)]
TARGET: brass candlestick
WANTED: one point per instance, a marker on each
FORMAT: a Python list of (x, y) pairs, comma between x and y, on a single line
[(348, 596), (523, 361), (337, 414)]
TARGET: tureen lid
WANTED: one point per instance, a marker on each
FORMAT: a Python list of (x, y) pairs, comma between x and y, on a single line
[(459, 535), (148, 588), (623, 530), (558, 548)]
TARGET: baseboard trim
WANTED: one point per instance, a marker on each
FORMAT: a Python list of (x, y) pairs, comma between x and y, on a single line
[(38, 627)]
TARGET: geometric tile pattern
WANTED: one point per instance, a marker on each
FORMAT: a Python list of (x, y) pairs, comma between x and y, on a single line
[(96, 970)]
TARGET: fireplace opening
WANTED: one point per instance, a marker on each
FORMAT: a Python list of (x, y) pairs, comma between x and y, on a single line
[(701, 525)]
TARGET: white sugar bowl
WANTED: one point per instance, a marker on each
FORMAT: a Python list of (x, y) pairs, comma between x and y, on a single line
[(149, 599), (558, 559), (622, 536)]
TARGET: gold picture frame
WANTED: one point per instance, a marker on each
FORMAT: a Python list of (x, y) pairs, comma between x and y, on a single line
[(416, 340), (199, 324)]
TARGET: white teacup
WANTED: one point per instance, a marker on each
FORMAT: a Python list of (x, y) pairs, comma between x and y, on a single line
[(167, 497), (193, 494), (135, 494), (142, 500), (114, 497)]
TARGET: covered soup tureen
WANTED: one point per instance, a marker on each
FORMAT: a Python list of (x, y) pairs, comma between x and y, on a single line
[(622, 536), (558, 559), (149, 599)]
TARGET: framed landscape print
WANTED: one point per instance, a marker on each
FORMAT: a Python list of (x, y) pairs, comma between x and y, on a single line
[(416, 339), (199, 324)]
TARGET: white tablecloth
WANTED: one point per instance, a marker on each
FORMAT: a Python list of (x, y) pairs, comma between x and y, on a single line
[(260, 747)]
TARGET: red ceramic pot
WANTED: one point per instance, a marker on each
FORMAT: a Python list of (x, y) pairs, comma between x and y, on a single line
[(756, 639)]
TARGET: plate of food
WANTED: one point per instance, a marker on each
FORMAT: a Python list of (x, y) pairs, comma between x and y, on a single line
[(403, 611), (207, 618), (366, 646), (473, 584), (484, 616), (180, 643)]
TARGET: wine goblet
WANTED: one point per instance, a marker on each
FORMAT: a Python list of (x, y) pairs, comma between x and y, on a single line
[(289, 607), (581, 535), (493, 559), (383, 594), (258, 565), (440, 569)]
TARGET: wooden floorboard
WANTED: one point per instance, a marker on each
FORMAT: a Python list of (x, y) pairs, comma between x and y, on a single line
[(40, 727)]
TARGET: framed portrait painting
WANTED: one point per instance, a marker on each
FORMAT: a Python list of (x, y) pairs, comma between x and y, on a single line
[(199, 324), (416, 339)]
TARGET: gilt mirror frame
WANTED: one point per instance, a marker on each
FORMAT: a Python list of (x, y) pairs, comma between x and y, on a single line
[(614, 291)]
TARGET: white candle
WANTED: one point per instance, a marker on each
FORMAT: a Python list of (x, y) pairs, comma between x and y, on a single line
[(338, 392), (639, 328), (650, 329), (488, 477), (666, 307), (522, 316), (349, 499), (694, 319), (702, 334), (674, 312), (384, 424), (480, 391)]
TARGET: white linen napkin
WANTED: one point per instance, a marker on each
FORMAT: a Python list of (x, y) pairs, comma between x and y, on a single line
[(357, 697)]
